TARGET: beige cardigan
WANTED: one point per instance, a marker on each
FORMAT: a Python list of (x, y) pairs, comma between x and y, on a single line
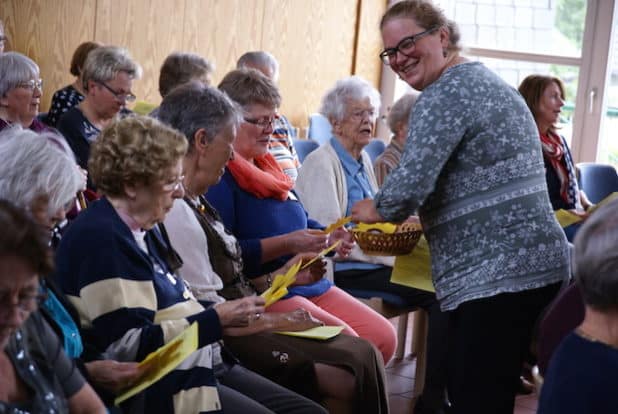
[(322, 188)]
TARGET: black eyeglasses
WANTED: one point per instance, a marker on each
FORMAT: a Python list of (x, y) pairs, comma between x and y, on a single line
[(405, 46), (122, 97), (263, 122)]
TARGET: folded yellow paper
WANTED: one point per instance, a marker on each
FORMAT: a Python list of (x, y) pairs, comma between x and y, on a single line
[(319, 332), (322, 254), (414, 269), (334, 226), (278, 289), (162, 361), (388, 228), (566, 217)]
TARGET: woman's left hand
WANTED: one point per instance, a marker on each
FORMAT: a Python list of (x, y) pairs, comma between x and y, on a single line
[(347, 241), (113, 375), (365, 211)]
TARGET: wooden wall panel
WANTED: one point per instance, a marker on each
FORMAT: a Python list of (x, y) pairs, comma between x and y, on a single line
[(149, 29), (367, 64), (48, 32)]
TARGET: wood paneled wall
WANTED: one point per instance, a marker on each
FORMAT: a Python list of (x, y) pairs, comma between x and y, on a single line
[(315, 41)]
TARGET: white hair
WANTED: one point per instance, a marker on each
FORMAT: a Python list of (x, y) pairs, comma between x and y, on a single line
[(259, 60), (103, 63), (400, 111), (337, 99), (14, 69), (34, 165)]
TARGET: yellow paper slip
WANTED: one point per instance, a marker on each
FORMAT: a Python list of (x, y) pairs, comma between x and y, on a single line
[(602, 202), (319, 332), (566, 218), (280, 284), (387, 228), (322, 254), (161, 362), (334, 226), (414, 269)]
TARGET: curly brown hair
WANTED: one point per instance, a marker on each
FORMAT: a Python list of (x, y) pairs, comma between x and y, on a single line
[(136, 150)]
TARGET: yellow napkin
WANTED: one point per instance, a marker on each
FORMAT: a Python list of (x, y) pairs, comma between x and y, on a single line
[(414, 269), (280, 284), (334, 226), (143, 107), (162, 361), (322, 254), (319, 332), (566, 218), (388, 228)]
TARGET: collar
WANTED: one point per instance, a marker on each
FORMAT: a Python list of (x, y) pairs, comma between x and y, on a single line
[(350, 165)]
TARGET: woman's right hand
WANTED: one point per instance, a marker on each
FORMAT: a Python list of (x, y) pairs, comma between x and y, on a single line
[(113, 375), (239, 312), (297, 320), (306, 240)]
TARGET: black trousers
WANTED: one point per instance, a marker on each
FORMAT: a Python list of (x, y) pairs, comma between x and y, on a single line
[(489, 340), (437, 333)]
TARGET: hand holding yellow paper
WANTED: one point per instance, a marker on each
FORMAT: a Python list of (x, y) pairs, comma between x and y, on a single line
[(322, 254), (566, 218), (603, 202), (319, 332), (334, 226), (414, 269), (162, 361), (280, 284)]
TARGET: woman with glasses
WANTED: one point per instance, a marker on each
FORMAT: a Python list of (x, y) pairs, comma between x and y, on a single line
[(473, 169), (37, 376), (257, 204), (107, 78), (20, 92), (336, 176)]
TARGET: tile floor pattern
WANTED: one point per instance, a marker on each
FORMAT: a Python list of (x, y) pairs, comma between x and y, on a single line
[(400, 382)]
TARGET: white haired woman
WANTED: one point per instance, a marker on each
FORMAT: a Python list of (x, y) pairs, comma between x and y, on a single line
[(335, 177), (20, 92), (397, 120), (107, 78)]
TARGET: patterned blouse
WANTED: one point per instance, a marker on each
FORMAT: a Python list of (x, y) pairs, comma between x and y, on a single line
[(473, 168), (63, 100)]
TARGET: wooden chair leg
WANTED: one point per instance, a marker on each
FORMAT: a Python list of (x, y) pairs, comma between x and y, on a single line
[(419, 347), (402, 330)]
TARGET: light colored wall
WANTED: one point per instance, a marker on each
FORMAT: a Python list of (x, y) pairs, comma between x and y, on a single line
[(315, 41)]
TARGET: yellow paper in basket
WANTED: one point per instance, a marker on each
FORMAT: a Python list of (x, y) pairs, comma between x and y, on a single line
[(387, 228), (566, 218), (414, 269), (162, 361), (280, 284)]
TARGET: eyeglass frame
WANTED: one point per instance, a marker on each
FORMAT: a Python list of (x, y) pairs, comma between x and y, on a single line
[(25, 303), (174, 185), (261, 122), (387, 54), (122, 97), (31, 84)]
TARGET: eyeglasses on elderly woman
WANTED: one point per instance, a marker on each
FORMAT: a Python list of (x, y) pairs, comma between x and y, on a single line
[(31, 84), (405, 46)]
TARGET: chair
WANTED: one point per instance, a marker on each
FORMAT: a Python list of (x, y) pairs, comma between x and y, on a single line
[(597, 180), (304, 147), (375, 147), (320, 130)]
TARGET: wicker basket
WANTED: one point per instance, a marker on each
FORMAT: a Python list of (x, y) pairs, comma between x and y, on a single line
[(377, 243)]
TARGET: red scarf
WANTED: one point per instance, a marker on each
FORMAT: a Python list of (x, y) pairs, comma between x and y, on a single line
[(554, 151), (263, 177)]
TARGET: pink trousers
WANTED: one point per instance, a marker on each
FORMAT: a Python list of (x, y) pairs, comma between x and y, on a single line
[(336, 307)]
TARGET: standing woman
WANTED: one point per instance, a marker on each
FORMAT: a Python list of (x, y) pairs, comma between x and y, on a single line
[(472, 167), (544, 96)]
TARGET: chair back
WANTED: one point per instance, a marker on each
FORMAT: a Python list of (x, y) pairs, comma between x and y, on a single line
[(320, 130), (597, 180), (563, 315), (304, 147), (375, 147)]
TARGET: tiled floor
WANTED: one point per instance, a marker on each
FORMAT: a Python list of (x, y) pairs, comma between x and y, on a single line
[(400, 382)]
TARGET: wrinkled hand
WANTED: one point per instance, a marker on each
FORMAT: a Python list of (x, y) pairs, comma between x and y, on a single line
[(347, 241), (306, 240), (113, 375), (364, 211), (413, 219), (240, 312), (83, 178), (297, 320), (582, 214), (311, 274)]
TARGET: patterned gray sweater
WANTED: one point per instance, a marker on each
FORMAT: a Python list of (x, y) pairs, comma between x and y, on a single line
[(473, 168)]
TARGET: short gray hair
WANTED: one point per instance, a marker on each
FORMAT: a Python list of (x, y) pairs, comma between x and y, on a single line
[(336, 99), (181, 67), (14, 69), (34, 165), (596, 258), (400, 111), (104, 63), (193, 105), (259, 59)]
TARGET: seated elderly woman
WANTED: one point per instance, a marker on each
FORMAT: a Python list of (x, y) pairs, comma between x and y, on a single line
[(337, 175), (39, 175), (71, 95), (118, 270), (20, 92), (545, 96), (107, 78), (345, 373), (37, 376), (257, 204), (398, 118), (583, 372)]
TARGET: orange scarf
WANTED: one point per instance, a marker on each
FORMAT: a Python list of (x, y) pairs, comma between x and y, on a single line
[(263, 178)]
